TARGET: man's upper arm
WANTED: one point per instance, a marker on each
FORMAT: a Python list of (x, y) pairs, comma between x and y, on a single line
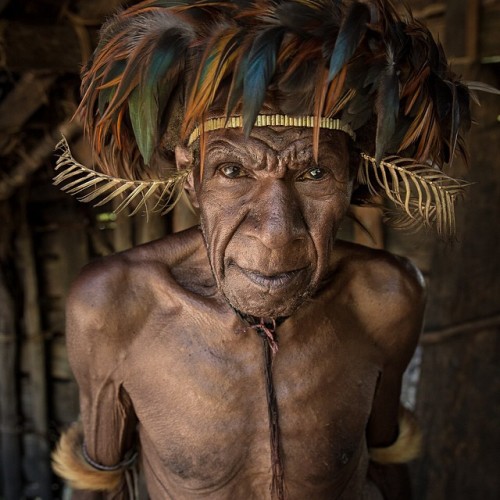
[(397, 322), (96, 350), (392, 435)]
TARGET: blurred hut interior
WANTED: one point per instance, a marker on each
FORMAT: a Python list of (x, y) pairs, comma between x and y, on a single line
[(46, 236)]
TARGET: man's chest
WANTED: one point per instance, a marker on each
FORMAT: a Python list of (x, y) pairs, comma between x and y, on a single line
[(204, 405)]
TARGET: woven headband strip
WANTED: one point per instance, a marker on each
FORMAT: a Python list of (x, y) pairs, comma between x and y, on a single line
[(271, 121)]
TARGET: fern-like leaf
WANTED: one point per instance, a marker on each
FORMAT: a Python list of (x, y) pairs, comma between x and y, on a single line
[(423, 195), (91, 186)]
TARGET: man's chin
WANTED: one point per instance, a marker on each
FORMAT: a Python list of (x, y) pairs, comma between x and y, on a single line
[(267, 307)]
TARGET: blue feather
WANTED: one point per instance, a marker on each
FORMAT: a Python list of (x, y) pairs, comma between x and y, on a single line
[(351, 32), (148, 101), (259, 72), (206, 67), (236, 90)]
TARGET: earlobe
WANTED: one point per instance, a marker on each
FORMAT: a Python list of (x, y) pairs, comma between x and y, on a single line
[(191, 191), (183, 158), (183, 161)]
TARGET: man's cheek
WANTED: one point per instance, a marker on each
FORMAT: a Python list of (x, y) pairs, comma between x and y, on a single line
[(219, 225)]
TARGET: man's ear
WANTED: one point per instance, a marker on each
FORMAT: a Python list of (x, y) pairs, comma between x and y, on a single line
[(184, 160)]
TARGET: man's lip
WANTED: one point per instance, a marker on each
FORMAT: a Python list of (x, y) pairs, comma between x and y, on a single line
[(274, 280)]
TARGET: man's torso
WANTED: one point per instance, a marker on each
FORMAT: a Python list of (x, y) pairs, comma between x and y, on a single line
[(195, 374)]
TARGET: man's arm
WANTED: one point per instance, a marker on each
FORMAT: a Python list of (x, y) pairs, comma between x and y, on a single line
[(90, 452), (392, 434)]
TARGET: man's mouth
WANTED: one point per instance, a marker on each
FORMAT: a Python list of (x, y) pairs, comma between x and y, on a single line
[(273, 280)]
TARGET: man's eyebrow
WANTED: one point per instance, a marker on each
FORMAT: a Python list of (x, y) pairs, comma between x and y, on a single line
[(225, 147), (221, 146)]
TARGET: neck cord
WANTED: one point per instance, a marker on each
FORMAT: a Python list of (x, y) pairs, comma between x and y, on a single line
[(267, 332)]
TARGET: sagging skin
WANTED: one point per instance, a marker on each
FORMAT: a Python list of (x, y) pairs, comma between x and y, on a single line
[(162, 358)]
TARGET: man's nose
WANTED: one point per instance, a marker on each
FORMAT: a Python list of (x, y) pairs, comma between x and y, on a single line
[(276, 218)]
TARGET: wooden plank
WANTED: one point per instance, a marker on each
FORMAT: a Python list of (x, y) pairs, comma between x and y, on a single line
[(39, 452), (472, 29), (459, 409), (455, 18), (489, 39), (10, 458), (65, 408), (466, 328), (24, 99)]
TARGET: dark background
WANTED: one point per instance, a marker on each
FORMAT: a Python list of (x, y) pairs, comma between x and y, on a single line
[(47, 236)]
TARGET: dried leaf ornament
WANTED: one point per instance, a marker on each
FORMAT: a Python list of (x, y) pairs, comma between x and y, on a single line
[(424, 195), (92, 186)]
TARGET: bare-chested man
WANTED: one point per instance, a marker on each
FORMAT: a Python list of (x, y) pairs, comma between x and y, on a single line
[(254, 356)]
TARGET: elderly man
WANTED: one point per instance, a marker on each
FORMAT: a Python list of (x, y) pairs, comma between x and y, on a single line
[(256, 356)]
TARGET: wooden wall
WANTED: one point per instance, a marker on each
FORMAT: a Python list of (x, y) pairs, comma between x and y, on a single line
[(458, 399)]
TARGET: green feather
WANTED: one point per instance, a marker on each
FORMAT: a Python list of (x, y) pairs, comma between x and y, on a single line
[(148, 101)]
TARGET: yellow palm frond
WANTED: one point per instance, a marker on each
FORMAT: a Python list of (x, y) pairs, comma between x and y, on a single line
[(423, 195), (91, 186)]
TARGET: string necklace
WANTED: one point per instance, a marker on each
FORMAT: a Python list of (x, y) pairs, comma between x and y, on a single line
[(266, 330)]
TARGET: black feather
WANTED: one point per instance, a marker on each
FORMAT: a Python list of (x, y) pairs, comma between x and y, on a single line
[(352, 30), (386, 106), (259, 72)]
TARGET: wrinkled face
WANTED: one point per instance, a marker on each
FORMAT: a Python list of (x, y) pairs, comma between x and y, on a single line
[(269, 214)]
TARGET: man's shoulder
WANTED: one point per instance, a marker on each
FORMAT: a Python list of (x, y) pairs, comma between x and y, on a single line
[(385, 291), (98, 303), (117, 290), (369, 270), (123, 270)]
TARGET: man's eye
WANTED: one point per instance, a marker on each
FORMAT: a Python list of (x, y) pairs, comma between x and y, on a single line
[(313, 174), (232, 171)]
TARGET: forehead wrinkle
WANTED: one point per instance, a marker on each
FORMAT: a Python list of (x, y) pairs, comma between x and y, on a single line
[(236, 148), (290, 156), (278, 160), (295, 156), (271, 152), (263, 157)]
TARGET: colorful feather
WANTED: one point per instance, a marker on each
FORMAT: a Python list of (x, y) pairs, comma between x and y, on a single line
[(148, 101), (386, 105), (220, 58), (352, 30), (260, 69)]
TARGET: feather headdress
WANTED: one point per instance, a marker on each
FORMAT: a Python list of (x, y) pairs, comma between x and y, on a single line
[(163, 66)]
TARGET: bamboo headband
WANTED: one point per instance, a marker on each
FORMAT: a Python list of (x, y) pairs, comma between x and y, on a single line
[(271, 121)]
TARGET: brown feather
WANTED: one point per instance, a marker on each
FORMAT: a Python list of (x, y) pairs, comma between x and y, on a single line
[(319, 105), (68, 463)]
